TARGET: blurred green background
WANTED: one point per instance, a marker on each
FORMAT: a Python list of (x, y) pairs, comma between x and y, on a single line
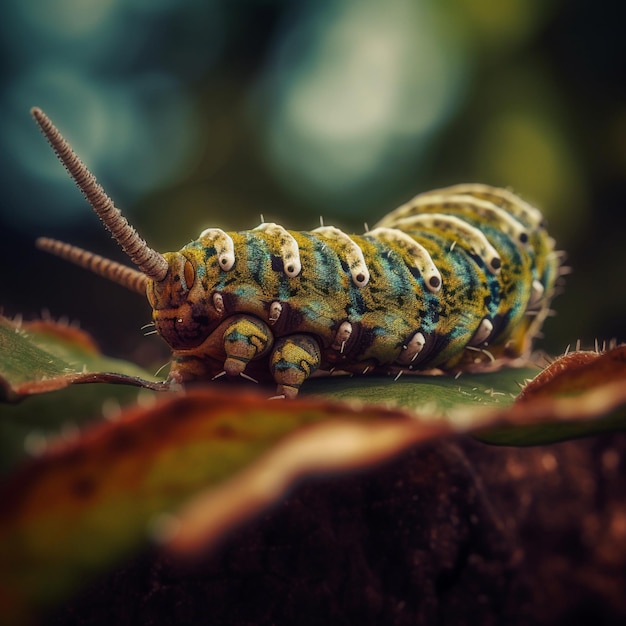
[(198, 113)]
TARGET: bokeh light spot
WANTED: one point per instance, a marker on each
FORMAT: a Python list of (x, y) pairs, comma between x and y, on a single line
[(353, 94)]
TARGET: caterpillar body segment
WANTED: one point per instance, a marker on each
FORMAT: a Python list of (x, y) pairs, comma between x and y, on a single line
[(351, 251), (451, 276), (524, 212), (223, 244), (462, 232), (289, 251), (422, 259), (534, 269), (467, 198), (467, 208)]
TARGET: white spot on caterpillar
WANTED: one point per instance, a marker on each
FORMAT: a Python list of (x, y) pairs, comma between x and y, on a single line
[(341, 337), (224, 246), (421, 256), (289, 250), (276, 308), (353, 254), (218, 303), (483, 332), (412, 349)]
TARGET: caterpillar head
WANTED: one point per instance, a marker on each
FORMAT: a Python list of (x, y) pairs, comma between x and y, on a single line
[(178, 303), (169, 280)]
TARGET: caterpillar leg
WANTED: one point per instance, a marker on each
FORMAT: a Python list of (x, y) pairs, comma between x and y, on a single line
[(245, 338), (293, 360), (227, 351)]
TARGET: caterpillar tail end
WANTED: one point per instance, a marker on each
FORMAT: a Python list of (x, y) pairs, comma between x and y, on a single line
[(293, 360)]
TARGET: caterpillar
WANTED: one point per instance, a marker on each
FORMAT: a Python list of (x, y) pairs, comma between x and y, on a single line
[(455, 275)]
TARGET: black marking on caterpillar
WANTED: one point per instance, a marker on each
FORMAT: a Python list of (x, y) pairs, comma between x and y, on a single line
[(434, 284)]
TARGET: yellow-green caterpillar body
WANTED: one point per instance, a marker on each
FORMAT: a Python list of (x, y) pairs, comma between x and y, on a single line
[(465, 269)]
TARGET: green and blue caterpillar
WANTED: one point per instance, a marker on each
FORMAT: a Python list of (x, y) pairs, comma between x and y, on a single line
[(452, 276)]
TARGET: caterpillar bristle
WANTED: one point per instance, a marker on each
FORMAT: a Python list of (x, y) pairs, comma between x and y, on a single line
[(161, 368), (246, 377)]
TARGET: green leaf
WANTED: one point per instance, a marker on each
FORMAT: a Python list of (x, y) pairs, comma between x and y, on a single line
[(426, 394), (45, 356)]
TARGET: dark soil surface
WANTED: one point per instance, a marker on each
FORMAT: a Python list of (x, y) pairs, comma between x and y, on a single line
[(453, 533)]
